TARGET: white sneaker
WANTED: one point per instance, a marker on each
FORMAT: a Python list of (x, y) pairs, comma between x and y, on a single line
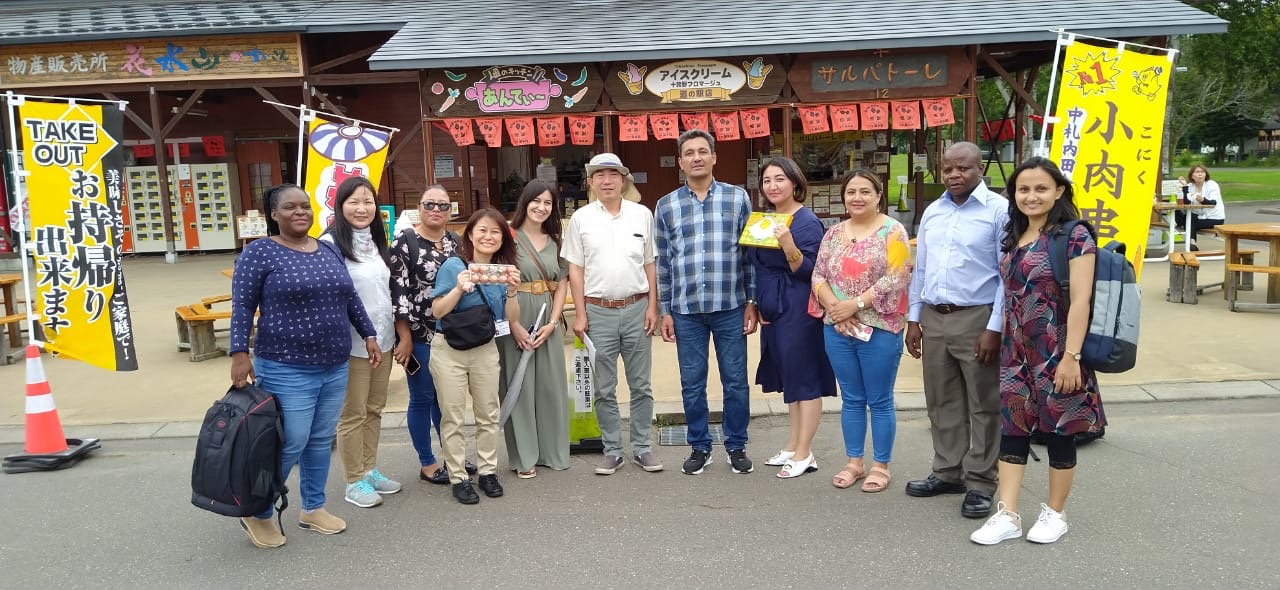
[(1002, 526), (1049, 527)]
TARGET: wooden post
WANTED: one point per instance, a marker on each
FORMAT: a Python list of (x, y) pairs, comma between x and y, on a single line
[(786, 131), (971, 102), (162, 174)]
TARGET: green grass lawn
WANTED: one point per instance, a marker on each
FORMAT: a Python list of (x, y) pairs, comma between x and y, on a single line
[(1248, 184)]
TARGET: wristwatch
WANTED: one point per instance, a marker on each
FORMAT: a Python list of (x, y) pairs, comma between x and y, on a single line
[(861, 305), (1074, 355)]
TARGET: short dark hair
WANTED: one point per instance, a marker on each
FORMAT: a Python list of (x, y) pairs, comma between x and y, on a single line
[(341, 229), (793, 173), (536, 187), (694, 134), (270, 200), (1064, 209), (506, 253), (876, 184)]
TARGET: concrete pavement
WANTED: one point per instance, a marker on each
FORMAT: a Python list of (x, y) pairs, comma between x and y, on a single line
[(1198, 351)]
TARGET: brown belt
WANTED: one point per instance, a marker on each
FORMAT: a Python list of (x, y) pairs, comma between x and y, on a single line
[(946, 308), (616, 303), (537, 287)]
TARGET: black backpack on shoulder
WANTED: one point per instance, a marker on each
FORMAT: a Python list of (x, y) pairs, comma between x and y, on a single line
[(236, 471)]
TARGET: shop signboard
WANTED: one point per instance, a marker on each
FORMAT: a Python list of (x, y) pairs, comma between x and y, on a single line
[(701, 82), (161, 59), (513, 90), (879, 74)]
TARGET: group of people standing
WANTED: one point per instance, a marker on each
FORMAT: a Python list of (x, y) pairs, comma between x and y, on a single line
[(834, 307)]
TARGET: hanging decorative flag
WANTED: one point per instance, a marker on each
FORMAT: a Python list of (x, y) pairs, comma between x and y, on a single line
[(460, 130), (844, 117), (550, 131), (337, 151), (214, 146), (491, 131), (695, 121), (144, 150), (73, 160), (813, 119), (521, 131), (937, 112), (632, 128), (874, 115), (906, 114), (1110, 109), (582, 129), (755, 123), (725, 126), (665, 126)]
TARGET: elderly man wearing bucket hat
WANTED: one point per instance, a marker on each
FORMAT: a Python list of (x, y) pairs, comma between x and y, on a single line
[(610, 250)]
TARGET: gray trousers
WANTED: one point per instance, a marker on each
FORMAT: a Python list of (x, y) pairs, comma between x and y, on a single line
[(962, 396), (620, 332)]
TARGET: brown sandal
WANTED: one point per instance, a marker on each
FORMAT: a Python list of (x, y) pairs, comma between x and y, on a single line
[(877, 480), (848, 476)]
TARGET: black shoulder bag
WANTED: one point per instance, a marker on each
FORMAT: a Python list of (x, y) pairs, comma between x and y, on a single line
[(469, 328)]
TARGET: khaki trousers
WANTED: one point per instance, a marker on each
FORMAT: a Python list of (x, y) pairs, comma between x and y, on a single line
[(360, 424), (962, 397), (459, 375)]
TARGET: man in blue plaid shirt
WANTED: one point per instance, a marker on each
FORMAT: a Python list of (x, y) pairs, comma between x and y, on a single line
[(706, 289)]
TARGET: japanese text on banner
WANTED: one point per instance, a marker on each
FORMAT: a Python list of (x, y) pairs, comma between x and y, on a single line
[(73, 159), (335, 152), (1110, 111)]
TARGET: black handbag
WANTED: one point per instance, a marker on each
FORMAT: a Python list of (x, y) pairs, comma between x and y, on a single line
[(469, 328)]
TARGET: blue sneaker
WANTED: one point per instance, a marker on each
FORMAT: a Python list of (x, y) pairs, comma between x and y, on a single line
[(381, 483), (362, 494)]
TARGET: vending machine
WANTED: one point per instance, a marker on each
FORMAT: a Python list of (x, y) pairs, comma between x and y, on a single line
[(200, 204)]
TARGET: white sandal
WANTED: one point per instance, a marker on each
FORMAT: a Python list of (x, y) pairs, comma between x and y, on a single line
[(780, 459), (795, 468)]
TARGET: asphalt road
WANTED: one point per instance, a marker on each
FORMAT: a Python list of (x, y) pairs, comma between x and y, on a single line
[(1177, 495)]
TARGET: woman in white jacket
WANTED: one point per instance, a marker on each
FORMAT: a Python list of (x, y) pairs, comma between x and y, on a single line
[(1202, 190)]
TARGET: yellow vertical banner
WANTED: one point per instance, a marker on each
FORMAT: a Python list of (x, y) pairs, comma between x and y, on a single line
[(73, 160), (335, 152), (1110, 122)]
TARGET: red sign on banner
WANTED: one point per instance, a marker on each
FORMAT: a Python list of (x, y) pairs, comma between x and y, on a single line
[(550, 131), (755, 123), (844, 117), (814, 119), (664, 126), (937, 112), (491, 131), (695, 121), (906, 114), (460, 129), (726, 126), (631, 128), (521, 130), (582, 129), (875, 115)]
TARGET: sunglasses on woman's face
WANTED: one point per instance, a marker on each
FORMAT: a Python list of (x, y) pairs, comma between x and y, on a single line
[(429, 205)]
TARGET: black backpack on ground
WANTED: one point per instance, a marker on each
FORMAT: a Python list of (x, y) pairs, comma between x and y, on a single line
[(236, 471)]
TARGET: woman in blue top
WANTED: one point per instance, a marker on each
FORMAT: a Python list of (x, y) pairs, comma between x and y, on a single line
[(305, 301), (473, 372)]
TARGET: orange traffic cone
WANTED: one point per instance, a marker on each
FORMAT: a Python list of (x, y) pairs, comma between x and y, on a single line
[(47, 448), (44, 429)]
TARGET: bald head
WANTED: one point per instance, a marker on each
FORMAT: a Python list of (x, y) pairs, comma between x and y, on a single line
[(961, 170)]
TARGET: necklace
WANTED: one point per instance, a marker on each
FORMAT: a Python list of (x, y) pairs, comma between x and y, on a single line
[(302, 246), (853, 231)]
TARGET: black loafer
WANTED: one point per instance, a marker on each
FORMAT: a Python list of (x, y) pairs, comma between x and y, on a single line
[(440, 477), (465, 492), (932, 486), (470, 467), (490, 486), (976, 504)]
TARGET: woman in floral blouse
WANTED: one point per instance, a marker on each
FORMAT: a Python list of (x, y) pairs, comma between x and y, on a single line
[(860, 285), (413, 276)]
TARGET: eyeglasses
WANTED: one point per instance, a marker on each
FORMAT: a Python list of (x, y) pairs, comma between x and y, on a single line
[(429, 205)]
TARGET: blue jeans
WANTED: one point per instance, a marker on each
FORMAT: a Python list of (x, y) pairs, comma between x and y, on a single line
[(311, 399), (692, 332), (423, 413), (866, 372)]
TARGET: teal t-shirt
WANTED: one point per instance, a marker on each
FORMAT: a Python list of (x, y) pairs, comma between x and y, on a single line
[(447, 279)]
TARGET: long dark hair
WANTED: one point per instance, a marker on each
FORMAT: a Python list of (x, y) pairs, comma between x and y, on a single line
[(792, 171), (506, 253), (876, 183), (270, 200), (1064, 208), (341, 229), (536, 187)]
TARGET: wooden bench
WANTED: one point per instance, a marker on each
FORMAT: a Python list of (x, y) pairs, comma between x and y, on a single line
[(1247, 270), (1184, 270), (7, 323), (196, 332)]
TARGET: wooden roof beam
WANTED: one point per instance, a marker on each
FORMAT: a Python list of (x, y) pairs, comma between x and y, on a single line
[(1009, 79), (264, 93), (182, 111), (346, 59)]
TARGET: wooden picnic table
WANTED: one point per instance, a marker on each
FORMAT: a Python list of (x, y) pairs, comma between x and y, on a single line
[(1264, 232), (8, 289)]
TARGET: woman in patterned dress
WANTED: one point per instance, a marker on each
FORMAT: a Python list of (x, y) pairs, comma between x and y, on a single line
[(860, 280), (1043, 387)]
